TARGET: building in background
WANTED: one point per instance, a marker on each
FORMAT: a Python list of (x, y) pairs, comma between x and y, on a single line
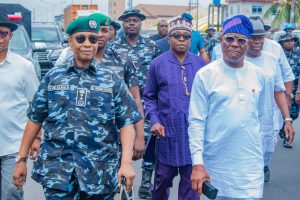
[(73, 11), (248, 8), (116, 8), (155, 13)]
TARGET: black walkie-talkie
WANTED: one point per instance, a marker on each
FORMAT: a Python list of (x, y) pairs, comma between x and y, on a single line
[(209, 190)]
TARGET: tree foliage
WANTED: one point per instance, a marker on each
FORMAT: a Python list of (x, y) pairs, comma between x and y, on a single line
[(283, 12)]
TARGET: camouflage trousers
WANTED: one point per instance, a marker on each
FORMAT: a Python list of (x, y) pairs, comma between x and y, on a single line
[(149, 157), (73, 193)]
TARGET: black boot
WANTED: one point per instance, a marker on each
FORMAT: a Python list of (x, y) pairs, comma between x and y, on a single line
[(266, 174), (286, 143), (145, 188)]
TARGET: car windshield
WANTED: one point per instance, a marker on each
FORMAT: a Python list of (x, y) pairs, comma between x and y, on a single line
[(42, 34), (18, 41)]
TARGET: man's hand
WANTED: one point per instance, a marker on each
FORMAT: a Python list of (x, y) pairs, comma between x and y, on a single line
[(288, 100), (34, 149), (289, 131), (199, 175), (126, 170), (20, 172), (158, 130), (297, 98), (138, 147)]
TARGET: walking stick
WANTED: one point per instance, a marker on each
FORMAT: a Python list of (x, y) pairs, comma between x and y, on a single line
[(156, 166)]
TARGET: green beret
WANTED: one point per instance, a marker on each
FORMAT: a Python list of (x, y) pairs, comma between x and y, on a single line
[(102, 19), (83, 24)]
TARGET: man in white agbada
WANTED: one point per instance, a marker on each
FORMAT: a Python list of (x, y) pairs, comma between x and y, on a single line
[(270, 66), (229, 112)]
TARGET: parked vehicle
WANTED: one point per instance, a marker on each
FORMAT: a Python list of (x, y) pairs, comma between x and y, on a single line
[(21, 44), (275, 36), (48, 44)]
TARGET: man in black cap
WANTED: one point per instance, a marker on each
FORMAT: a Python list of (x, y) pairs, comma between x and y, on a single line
[(18, 84), (140, 51), (292, 53), (270, 66)]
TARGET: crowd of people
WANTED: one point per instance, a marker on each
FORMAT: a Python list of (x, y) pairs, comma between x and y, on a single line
[(208, 109)]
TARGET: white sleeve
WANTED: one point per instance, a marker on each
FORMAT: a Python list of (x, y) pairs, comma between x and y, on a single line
[(31, 83), (198, 111), (279, 84)]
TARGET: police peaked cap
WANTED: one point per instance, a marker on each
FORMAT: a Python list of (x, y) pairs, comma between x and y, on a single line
[(102, 19), (83, 24)]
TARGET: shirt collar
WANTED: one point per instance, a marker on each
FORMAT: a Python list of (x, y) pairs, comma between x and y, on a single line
[(92, 67), (173, 59), (141, 40), (8, 58)]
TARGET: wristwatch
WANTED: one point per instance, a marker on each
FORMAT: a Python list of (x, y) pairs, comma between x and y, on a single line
[(288, 119), (290, 95), (21, 159)]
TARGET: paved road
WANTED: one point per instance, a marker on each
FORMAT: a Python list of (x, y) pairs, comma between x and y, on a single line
[(284, 183)]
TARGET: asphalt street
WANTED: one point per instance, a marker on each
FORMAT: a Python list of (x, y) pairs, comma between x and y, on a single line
[(284, 183)]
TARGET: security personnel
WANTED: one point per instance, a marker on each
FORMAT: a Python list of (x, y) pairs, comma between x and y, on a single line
[(140, 51), (292, 53), (81, 104)]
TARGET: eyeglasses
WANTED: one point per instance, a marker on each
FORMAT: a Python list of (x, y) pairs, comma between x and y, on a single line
[(93, 39), (185, 36), (3, 34), (230, 39)]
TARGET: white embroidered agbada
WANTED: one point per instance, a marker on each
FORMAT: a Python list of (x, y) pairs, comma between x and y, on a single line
[(228, 112)]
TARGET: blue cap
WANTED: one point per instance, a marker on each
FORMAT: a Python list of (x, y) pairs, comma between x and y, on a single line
[(288, 26), (187, 16), (238, 24), (129, 12)]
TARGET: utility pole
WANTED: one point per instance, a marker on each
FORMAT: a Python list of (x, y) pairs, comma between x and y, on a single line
[(129, 4), (194, 5)]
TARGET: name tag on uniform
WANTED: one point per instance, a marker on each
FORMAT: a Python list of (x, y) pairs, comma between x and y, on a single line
[(58, 87), (101, 89), (81, 97)]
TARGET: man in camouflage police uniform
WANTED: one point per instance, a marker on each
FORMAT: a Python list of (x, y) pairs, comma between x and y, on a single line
[(292, 53), (140, 51), (81, 105)]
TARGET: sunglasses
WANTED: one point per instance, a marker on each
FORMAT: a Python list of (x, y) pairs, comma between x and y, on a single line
[(3, 34), (93, 39), (241, 41), (185, 36)]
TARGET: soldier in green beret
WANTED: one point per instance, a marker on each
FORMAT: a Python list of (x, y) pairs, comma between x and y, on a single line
[(88, 114)]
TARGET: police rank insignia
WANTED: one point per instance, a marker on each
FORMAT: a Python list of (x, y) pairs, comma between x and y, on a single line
[(81, 97), (92, 24)]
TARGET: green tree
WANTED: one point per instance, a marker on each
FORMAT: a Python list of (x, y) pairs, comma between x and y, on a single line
[(283, 12)]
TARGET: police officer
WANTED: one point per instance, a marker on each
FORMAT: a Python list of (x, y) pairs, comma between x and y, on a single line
[(140, 51), (292, 53), (81, 104)]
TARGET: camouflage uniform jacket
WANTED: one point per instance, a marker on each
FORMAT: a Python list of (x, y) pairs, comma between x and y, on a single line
[(294, 61), (125, 70), (140, 55), (81, 113)]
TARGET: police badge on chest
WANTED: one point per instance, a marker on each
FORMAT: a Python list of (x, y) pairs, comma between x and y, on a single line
[(81, 97)]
